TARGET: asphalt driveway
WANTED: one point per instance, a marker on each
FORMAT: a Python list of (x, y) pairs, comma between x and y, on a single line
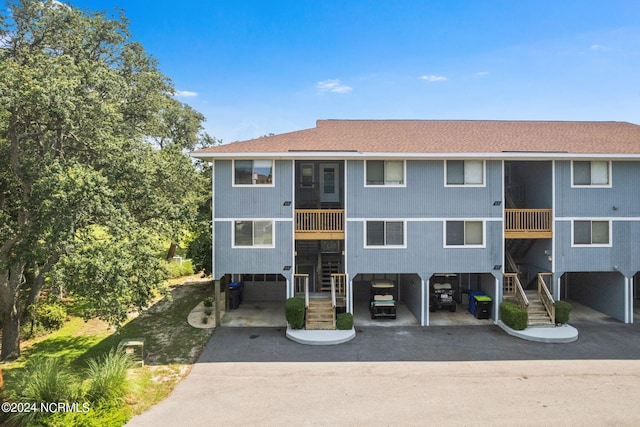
[(409, 376), (434, 343)]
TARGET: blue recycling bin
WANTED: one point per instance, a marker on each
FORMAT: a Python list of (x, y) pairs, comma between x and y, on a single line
[(472, 300)]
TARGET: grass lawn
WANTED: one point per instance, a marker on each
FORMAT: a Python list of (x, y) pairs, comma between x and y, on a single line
[(172, 345)]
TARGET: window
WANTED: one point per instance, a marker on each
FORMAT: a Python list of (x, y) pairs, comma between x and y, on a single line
[(464, 172), (253, 172), (592, 233), (385, 172), (384, 233), (464, 233), (253, 233), (595, 173)]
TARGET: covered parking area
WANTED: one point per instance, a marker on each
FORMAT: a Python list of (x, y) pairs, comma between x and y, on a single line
[(606, 292), (464, 286), (406, 295), (261, 301)]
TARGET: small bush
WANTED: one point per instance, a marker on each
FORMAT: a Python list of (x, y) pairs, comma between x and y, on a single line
[(108, 377), (344, 321), (208, 302), (208, 311), (50, 315), (177, 269), (205, 320), (563, 309), (294, 312), (514, 316)]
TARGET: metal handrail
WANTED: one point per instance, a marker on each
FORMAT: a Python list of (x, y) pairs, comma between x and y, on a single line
[(545, 296)]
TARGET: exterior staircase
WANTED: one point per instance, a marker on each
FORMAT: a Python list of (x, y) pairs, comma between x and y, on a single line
[(320, 315), (538, 316)]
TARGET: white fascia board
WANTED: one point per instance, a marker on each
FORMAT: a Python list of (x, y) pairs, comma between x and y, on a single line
[(353, 155)]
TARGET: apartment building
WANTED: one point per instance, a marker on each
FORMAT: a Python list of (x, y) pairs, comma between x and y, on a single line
[(520, 210)]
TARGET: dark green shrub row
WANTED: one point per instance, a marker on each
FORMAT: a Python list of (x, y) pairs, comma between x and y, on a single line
[(514, 316), (344, 321), (294, 312), (563, 309)]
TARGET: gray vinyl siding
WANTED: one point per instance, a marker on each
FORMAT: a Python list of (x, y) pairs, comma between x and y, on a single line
[(253, 260), (588, 202), (424, 195), (424, 251), (621, 256), (253, 201)]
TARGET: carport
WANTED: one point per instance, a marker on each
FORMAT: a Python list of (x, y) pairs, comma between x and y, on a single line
[(464, 285), (603, 291), (406, 294), (262, 302)]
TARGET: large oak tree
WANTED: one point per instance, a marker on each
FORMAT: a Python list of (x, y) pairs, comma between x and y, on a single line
[(92, 167)]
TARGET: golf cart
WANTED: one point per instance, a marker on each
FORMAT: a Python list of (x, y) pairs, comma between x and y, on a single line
[(382, 302), (442, 295)]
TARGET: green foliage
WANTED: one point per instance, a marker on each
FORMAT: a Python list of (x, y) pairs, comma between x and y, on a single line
[(563, 309), (200, 248), (81, 105), (344, 321), (107, 377), (50, 315), (294, 312), (178, 269), (208, 302), (513, 316), (103, 415), (45, 379)]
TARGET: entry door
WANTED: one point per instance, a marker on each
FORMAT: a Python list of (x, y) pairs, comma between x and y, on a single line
[(329, 183)]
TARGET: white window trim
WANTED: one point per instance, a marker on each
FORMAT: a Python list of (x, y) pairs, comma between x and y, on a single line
[(404, 234), (464, 246), (609, 164), (592, 245), (484, 175), (253, 246), (273, 177), (404, 175)]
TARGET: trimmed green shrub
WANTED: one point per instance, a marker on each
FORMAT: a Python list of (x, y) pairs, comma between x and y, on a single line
[(294, 312), (50, 315), (208, 302), (344, 321), (178, 269), (108, 377), (514, 316), (563, 309)]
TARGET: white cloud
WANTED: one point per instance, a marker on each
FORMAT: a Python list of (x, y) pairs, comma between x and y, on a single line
[(598, 47), (186, 94), (433, 78), (482, 73), (333, 85)]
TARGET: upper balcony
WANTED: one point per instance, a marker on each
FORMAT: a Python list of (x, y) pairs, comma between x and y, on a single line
[(528, 224), (319, 224)]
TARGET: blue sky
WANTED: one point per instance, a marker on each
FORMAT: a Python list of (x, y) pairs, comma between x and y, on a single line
[(259, 67)]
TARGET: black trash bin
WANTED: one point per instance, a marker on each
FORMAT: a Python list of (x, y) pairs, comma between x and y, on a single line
[(483, 306), (234, 298), (239, 286)]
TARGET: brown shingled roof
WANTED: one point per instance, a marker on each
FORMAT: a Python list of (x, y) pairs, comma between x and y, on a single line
[(446, 136)]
